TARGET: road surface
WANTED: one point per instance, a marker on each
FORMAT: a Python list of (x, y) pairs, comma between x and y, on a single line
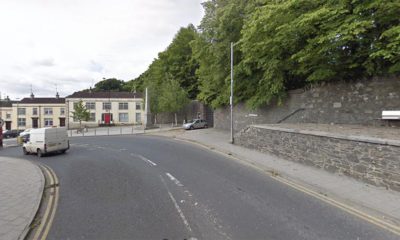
[(148, 187)]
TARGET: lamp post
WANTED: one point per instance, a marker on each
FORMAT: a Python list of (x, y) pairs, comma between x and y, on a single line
[(17, 114), (231, 97)]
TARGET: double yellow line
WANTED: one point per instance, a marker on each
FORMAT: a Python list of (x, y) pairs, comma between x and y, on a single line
[(365, 216), (52, 189), (387, 225)]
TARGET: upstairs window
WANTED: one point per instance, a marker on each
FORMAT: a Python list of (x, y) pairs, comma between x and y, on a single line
[(91, 105), (48, 111), (106, 106), (123, 106), (21, 111)]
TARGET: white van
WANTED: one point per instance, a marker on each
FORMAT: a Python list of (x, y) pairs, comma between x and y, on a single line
[(45, 140)]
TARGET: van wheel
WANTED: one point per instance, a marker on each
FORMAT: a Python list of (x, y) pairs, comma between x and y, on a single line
[(25, 152), (63, 151), (39, 153)]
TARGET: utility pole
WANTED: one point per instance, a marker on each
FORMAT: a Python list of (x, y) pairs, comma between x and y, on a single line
[(231, 97)]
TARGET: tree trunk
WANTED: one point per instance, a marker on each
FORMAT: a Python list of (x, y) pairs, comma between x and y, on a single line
[(176, 120)]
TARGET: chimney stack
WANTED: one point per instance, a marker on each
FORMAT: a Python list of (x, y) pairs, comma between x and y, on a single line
[(32, 96)]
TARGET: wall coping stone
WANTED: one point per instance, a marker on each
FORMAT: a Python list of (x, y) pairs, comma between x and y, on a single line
[(366, 139)]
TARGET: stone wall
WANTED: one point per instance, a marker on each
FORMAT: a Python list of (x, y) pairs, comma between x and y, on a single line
[(374, 161), (359, 102)]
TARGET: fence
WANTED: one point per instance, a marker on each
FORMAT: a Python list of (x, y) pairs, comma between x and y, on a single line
[(118, 130)]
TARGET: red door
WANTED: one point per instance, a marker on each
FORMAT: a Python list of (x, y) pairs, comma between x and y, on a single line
[(107, 118)]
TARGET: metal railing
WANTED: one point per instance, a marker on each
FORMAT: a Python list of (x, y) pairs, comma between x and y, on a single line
[(291, 114), (117, 130)]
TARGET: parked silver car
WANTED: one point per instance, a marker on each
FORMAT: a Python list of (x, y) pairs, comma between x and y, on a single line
[(195, 123)]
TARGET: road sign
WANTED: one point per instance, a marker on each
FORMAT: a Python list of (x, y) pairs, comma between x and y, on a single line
[(1, 122)]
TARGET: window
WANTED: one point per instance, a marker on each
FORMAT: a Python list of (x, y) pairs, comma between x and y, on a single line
[(48, 111), (138, 106), (75, 105), (123, 106), (62, 111), (123, 117), (106, 106), (34, 111), (48, 122), (21, 122), (21, 111), (92, 117), (91, 105), (138, 118), (8, 115)]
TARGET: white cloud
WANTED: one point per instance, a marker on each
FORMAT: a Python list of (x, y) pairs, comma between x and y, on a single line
[(75, 43)]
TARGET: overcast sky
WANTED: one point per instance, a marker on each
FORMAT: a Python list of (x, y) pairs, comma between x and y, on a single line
[(75, 43)]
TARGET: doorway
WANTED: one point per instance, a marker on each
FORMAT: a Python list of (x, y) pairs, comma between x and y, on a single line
[(35, 123), (8, 125), (62, 122)]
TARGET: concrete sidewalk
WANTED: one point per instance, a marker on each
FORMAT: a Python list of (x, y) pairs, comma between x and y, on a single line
[(377, 202), (21, 188)]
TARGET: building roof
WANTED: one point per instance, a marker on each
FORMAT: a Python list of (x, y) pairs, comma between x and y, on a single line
[(105, 95), (5, 103), (43, 100)]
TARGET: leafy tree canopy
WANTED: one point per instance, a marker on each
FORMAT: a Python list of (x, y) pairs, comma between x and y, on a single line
[(111, 84)]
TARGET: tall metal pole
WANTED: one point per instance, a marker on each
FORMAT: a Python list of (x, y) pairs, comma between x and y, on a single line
[(231, 98)]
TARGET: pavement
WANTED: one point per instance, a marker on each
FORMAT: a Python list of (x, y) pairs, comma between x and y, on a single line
[(21, 188), (377, 202)]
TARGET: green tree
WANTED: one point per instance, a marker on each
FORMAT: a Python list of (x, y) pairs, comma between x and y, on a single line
[(221, 25), (175, 62), (291, 43), (80, 113), (179, 63), (173, 97), (111, 84)]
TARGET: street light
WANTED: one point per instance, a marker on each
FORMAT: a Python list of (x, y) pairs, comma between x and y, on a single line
[(17, 114), (231, 97)]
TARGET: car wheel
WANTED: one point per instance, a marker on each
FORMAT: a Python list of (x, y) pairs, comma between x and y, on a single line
[(63, 151), (205, 126), (191, 127), (25, 152), (39, 153)]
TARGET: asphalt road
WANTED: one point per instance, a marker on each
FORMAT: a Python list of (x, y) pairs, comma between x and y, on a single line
[(146, 187)]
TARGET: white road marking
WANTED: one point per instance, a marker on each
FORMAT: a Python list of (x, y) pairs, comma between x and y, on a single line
[(144, 159), (147, 160), (176, 181), (178, 209), (123, 149)]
